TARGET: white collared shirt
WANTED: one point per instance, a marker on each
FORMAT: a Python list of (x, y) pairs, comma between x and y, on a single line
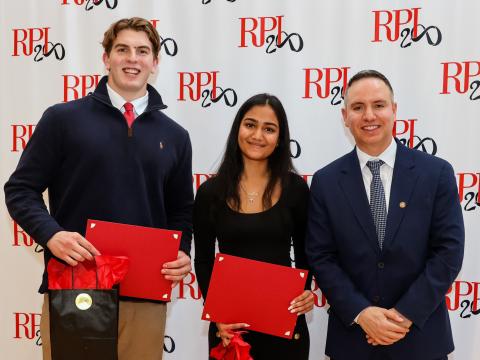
[(386, 170), (139, 105)]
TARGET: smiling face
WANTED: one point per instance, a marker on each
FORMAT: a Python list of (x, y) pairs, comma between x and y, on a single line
[(370, 113), (130, 62), (258, 133)]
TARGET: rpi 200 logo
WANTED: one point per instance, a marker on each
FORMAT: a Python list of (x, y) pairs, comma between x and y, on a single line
[(404, 130), (28, 41), (27, 326), (468, 189), (464, 76), (204, 85), (90, 4), (388, 23), (268, 30), (323, 83)]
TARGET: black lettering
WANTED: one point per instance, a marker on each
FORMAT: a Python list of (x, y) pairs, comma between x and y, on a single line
[(168, 344), (474, 86), (164, 43), (336, 91), (471, 197), (465, 304), (298, 150)]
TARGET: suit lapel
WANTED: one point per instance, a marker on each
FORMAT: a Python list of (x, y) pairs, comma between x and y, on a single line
[(403, 183), (352, 185)]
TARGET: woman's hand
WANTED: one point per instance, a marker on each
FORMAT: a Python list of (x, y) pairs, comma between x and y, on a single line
[(225, 331), (302, 304)]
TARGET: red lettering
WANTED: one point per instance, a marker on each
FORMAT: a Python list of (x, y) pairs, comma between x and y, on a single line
[(309, 82), (199, 179), (408, 128), (385, 25), (25, 39), (313, 77), (77, 2), (20, 136), (195, 82), (72, 82), (185, 85), (276, 24), (20, 236), (267, 24), (462, 183), (396, 16), (26, 325), (251, 31), (458, 69), (194, 291)]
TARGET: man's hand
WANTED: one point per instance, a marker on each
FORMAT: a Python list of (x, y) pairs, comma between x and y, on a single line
[(382, 326), (406, 323), (71, 247), (225, 331), (178, 269)]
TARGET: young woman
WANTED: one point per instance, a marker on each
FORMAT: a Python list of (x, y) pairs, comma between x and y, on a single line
[(255, 207)]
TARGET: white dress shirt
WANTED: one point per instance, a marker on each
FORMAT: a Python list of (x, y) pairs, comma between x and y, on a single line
[(139, 105), (386, 170)]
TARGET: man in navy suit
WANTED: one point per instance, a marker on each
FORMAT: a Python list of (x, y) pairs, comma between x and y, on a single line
[(385, 237)]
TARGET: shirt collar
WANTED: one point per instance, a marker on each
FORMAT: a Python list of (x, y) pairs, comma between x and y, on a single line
[(387, 156), (139, 104)]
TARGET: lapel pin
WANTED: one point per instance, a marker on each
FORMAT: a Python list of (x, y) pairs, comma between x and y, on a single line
[(402, 204)]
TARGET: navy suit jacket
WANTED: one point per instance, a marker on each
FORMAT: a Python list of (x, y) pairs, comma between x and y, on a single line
[(421, 257)]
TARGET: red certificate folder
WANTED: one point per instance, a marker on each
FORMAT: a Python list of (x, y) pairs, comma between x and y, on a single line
[(254, 292), (147, 249)]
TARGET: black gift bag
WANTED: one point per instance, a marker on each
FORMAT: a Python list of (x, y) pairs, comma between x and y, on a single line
[(84, 323)]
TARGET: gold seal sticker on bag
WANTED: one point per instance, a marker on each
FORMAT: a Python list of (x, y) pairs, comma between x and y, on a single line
[(83, 301)]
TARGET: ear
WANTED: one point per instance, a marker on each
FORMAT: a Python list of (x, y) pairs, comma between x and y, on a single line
[(106, 61), (344, 115), (156, 61)]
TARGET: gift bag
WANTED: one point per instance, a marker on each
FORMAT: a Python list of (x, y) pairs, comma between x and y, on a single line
[(83, 322)]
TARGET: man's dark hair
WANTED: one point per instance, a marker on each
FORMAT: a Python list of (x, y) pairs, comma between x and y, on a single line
[(364, 74)]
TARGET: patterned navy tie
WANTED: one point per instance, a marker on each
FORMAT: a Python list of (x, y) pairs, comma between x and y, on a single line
[(378, 204)]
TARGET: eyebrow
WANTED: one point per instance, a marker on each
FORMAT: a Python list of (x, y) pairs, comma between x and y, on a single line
[(362, 102), (256, 121), (135, 47)]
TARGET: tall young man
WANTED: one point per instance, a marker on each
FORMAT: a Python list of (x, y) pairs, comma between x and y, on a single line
[(113, 156)]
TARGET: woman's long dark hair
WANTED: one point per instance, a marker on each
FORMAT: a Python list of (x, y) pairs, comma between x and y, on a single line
[(279, 162)]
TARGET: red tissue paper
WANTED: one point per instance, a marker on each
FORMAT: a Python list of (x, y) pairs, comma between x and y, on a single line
[(101, 273), (237, 349)]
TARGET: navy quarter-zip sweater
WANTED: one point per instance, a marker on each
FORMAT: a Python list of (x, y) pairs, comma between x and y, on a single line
[(95, 168)]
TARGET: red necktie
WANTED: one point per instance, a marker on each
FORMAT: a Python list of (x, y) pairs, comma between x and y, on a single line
[(129, 114)]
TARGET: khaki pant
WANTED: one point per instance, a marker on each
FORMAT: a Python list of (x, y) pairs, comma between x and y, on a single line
[(141, 328)]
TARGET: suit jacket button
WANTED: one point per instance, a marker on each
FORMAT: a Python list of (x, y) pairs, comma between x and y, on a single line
[(381, 265), (376, 299), (296, 336)]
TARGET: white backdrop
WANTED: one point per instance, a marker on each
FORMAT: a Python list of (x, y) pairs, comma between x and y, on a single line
[(302, 51)]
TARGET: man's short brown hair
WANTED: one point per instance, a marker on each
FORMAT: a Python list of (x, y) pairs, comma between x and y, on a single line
[(134, 23)]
